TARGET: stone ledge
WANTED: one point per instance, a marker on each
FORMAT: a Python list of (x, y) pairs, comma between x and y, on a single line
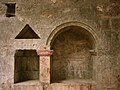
[(30, 82)]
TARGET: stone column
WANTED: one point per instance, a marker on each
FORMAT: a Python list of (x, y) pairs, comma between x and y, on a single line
[(44, 59)]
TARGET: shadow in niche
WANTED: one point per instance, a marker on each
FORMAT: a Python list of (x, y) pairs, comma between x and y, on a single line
[(27, 33), (72, 60), (26, 66)]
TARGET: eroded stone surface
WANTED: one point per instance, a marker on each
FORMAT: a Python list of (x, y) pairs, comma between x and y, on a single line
[(44, 16)]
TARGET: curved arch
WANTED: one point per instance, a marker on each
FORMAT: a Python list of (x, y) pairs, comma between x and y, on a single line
[(78, 24)]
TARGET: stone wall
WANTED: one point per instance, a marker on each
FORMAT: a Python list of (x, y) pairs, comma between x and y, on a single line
[(44, 17)]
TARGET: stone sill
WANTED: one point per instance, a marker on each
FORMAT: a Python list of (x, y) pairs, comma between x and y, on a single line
[(79, 82), (30, 82), (63, 82)]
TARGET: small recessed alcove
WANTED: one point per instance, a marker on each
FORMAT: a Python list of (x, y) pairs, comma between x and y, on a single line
[(27, 33), (72, 60), (10, 12), (26, 66)]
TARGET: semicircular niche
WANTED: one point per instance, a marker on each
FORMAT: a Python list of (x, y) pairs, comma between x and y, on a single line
[(72, 59)]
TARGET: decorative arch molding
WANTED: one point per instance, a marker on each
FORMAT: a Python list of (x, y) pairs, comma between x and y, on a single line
[(67, 24)]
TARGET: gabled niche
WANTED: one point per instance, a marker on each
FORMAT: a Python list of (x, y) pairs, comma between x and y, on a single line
[(27, 33)]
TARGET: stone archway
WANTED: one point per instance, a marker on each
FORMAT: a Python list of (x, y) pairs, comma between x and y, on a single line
[(59, 28), (74, 44)]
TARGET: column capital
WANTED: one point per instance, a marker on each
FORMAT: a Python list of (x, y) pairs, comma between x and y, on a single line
[(93, 52), (45, 52)]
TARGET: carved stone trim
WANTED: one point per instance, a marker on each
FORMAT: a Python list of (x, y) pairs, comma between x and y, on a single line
[(44, 52)]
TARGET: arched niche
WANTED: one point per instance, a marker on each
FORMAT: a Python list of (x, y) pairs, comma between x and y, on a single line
[(59, 28), (72, 59)]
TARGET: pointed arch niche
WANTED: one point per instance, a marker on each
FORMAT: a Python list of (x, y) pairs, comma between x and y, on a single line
[(74, 49)]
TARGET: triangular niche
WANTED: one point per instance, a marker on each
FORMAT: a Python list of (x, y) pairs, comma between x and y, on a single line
[(27, 33)]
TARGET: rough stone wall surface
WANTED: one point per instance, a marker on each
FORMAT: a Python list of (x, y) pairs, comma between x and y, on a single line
[(44, 16)]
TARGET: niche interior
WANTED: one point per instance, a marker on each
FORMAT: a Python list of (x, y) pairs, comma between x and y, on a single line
[(26, 66), (72, 59)]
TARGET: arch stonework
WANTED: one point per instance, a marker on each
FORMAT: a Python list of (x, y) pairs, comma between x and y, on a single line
[(67, 24), (50, 43)]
